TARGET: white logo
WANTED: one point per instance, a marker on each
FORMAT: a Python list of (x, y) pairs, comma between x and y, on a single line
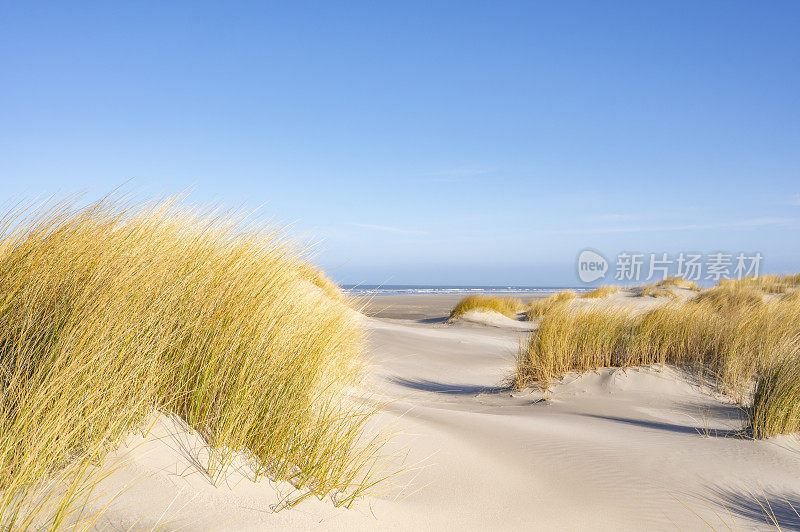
[(591, 266)]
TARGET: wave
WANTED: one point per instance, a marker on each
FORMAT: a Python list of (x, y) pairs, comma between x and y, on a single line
[(361, 290)]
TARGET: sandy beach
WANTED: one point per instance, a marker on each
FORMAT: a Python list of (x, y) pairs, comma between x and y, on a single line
[(431, 266), (428, 308), (608, 450)]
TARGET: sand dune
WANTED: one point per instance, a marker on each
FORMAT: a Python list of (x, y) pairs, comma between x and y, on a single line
[(609, 450), (493, 319)]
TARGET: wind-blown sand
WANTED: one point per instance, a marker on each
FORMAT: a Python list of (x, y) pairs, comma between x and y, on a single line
[(610, 450)]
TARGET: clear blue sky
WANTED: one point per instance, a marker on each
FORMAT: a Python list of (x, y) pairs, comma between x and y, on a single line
[(429, 142)]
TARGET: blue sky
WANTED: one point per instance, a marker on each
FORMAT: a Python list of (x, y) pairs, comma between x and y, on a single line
[(425, 142)]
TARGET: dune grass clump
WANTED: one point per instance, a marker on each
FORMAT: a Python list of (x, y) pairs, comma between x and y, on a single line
[(733, 296), (569, 340), (601, 291), (776, 400), (539, 307), (679, 282), (665, 287), (791, 297), (770, 284), (729, 336), (657, 291), (508, 306), (320, 280), (111, 312)]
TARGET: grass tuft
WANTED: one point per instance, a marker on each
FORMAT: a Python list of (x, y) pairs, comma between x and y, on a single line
[(776, 401), (729, 334), (601, 291), (731, 296), (679, 282), (539, 307), (658, 291), (771, 284), (665, 287), (508, 306), (112, 311)]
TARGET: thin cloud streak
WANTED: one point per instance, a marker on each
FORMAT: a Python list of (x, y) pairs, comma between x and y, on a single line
[(745, 224)]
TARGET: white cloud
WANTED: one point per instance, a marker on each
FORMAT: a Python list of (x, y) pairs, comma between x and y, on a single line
[(795, 200)]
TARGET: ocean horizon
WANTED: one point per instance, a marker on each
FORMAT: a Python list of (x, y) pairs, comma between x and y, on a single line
[(394, 289)]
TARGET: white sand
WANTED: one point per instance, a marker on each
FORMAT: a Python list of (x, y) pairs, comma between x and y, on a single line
[(630, 300), (493, 319), (605, 451)]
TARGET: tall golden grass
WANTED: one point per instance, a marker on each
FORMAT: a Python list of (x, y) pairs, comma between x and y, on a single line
[(730, 334), (114, 310), (731, 296), (772, 284), (601, 291), (679, 282), (508, 306), (665, 287), (656, 291), (539, 307), (775, 407)]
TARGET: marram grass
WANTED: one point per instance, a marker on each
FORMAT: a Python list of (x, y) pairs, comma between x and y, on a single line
[(666, 287), (730, 334), (776, 400), (601, 291), (508, 306), (732, 296), (110, 312), (539, 307)]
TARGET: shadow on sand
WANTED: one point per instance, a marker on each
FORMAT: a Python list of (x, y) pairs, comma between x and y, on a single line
[(433, 321), (426, 385), (779, 510), (672, 427)]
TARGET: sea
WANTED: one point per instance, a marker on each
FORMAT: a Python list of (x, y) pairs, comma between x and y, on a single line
[(393, 289)]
